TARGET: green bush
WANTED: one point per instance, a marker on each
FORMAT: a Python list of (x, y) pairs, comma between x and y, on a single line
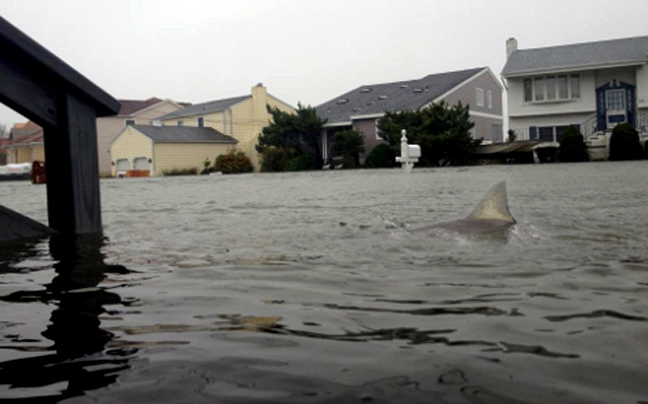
[(233, 163), (273, 159), (302, 163), (547, 154), (572, 146), (382, 156), (624, 144), (180, 171), (349, 144)]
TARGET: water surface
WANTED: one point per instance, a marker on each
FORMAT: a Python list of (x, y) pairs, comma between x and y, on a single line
[(310, 287)]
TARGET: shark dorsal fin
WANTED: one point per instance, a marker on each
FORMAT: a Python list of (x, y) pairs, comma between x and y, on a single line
[(494, 206)]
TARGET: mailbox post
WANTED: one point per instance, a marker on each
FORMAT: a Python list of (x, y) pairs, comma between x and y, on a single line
[(409, 154)]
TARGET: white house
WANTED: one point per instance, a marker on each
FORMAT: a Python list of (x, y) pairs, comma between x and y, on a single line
[(594, 86)]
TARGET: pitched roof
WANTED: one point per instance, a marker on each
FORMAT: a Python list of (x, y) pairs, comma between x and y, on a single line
[(578, 56), (184, 134), (129, 107), (25, 139), (204, 108), (398, 96)]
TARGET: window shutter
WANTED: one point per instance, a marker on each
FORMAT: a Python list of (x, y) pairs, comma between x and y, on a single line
[(533, 132)]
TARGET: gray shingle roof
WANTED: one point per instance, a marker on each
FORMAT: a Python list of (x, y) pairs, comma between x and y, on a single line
[(399, 96), (184, 134), (575, 56), (204, 108)]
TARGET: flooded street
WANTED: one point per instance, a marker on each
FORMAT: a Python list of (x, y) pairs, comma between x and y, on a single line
[(311, 287)]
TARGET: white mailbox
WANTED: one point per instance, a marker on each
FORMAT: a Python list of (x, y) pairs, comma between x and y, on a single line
[(409, 153)]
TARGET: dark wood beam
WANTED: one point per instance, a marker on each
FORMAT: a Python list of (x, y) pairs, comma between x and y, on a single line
[(73, 198), (26, 93), (12, 40)]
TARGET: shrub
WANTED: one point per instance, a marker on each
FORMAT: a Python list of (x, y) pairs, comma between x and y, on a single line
[(547, 154), (349, 144), (302, 163), (273, 159), (180, 171), (382, 156), (624, 144), (233, 163), (572, 146)]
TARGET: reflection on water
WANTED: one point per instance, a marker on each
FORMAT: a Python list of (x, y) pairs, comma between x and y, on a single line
[(311, 287), (74, 327)]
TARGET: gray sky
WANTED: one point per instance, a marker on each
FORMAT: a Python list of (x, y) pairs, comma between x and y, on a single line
[(302, 50)]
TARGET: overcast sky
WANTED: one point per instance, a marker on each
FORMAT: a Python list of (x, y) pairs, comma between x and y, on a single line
[(302, 50)]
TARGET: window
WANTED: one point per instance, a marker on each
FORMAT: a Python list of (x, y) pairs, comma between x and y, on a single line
[(528, 90), (378, 131), (180, 123), (546, 134), (480, 97), (496, 133), (489, 99), (538, 88), (574, 80), (201, 122), (562, 87), (551, 88), (129, 122)]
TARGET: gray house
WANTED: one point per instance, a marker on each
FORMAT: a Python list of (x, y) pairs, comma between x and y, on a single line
[(361, 108), (593, 85)]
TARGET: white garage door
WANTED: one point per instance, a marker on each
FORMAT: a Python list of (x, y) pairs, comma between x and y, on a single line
[(122, 165), (140, 163)]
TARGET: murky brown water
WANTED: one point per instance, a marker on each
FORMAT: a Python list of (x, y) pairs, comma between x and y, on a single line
[(308, 287)]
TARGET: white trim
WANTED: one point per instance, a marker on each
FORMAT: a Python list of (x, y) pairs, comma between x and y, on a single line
[(332, 125), (367, 116), (573, 69), (486, 115)]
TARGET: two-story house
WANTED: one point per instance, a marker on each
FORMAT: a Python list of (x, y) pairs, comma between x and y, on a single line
[(132, 112), (242, 118), (361, 108), (594, 86)]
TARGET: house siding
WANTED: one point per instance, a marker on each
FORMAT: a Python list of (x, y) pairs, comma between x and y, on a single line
[(130, 145), (109, 127), (243, 121), (467, 94), (368, 128), (186, 155), (585, 104)]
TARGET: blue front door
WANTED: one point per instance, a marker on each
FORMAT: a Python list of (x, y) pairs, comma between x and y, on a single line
[(615, 104)]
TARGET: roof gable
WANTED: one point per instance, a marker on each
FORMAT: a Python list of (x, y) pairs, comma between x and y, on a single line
[(397, 96), (578, 56), (204, 108), (183, 134), (129, 107)]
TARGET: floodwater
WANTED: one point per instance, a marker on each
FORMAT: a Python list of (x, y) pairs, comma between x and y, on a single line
[(311, 288)]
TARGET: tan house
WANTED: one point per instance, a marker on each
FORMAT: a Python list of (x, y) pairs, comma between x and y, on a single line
[(132, 112), (242, 118), (158, 149), (26, 143)]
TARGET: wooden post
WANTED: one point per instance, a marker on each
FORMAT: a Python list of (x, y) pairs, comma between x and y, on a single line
[(73, 199), (40, 86)]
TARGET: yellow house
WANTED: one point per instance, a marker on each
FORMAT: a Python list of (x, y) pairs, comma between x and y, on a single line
[(132, 112), (26, 144), (163, 148), (242, 118)]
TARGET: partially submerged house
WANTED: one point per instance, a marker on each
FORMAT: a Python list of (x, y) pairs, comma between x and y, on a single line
[(132, 112), (26, 143), (593, 86), (242, 118), (154, 150), (361, 108)]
